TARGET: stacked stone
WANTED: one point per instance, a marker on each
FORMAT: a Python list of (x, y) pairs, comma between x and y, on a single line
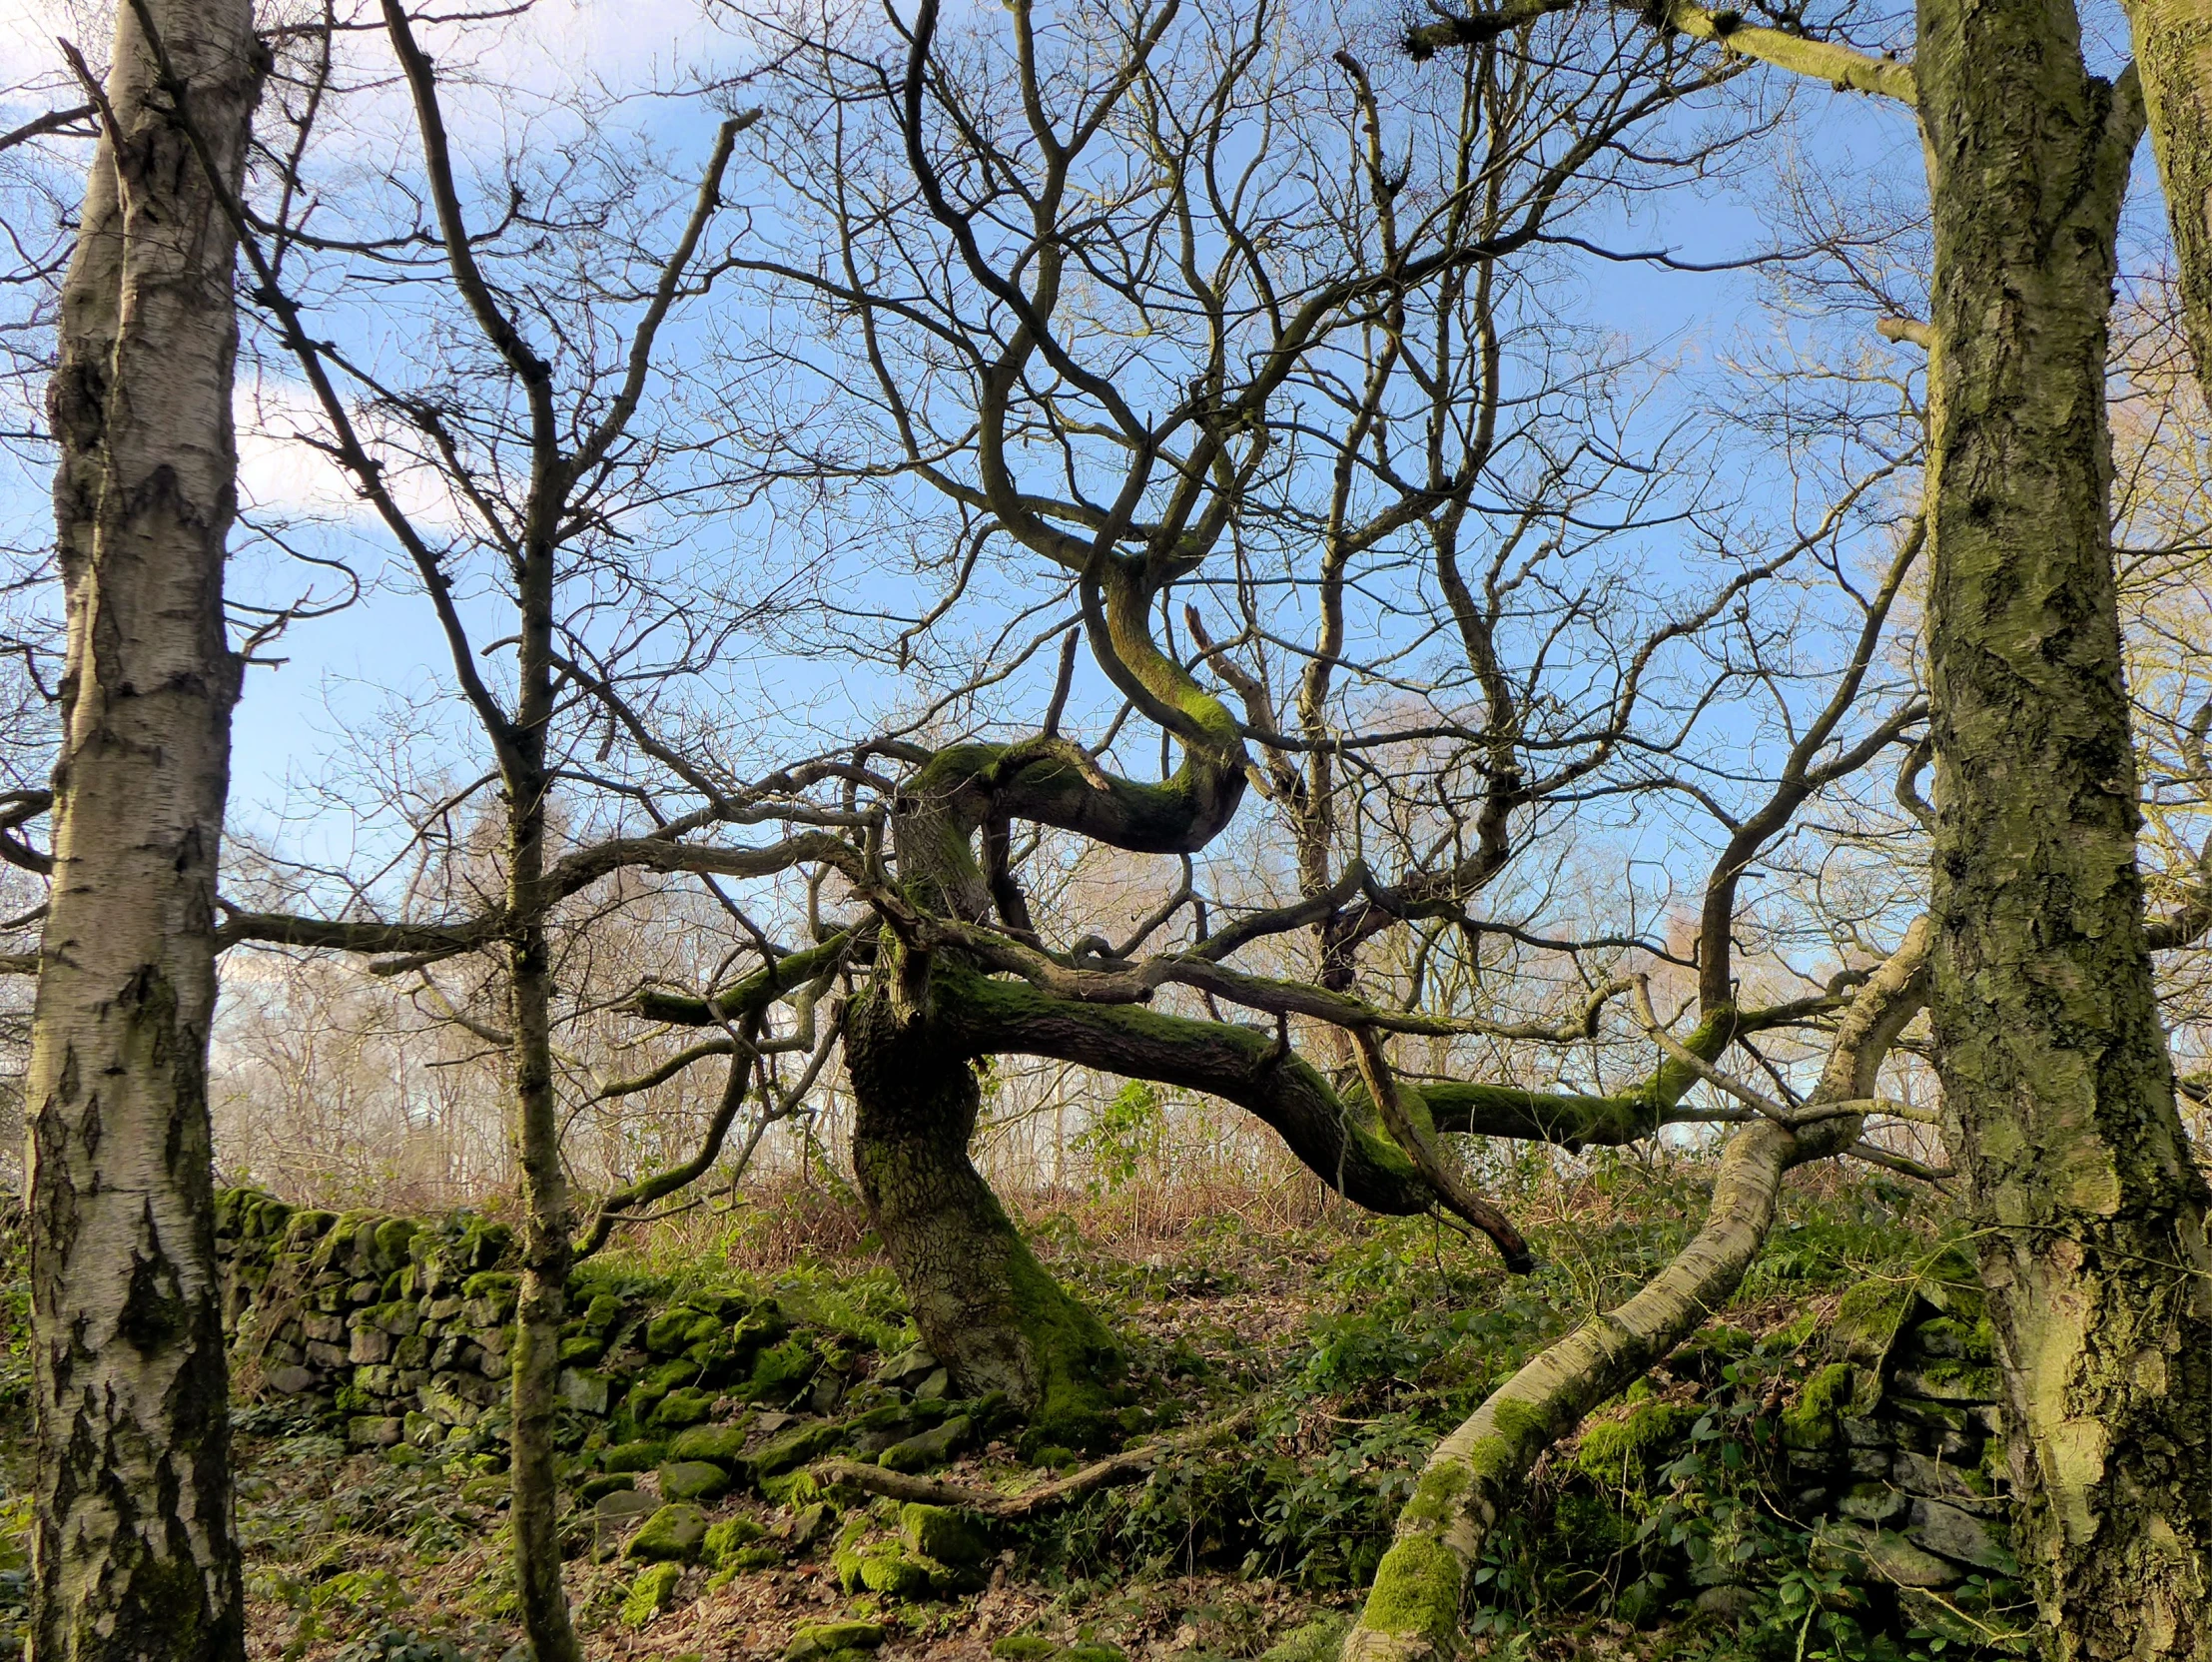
[(1896, 1450), (404, 1328)]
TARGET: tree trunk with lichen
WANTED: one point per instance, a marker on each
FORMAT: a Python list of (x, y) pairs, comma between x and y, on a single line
[(2058, 1087), (987, 1310), (2173, 54), (134, 1554)]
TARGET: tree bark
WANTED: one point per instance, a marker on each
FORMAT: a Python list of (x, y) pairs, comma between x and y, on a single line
[(987, 1310), (2173, 54), (542, 1296), (2058, 1087), (134, 1554)]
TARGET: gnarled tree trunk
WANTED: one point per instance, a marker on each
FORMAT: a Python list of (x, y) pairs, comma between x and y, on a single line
[(2056, 1082), (985, 1305), (134, 1554)]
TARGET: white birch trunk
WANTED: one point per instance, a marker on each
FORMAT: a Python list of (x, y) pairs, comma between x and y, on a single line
[(134, 1554)]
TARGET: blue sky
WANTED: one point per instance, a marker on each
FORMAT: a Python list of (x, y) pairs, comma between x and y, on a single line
[(339, 673)]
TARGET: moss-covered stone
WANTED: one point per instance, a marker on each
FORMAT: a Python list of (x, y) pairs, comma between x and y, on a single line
[(722, 1539), (760, 1327), (677, 1328), (1023, 1647), (795, 1448), (694, 1480), (810, 1523), (723, 1444), (651, 1593), (1869, 1320), (942, 1533), (642, 1456), (671, 1534), (604, 1484), (389, 1244), (686, 1406), (1416, 1591), (927, 1449), (817, 1640), (602, 1315), (1816, 1420)]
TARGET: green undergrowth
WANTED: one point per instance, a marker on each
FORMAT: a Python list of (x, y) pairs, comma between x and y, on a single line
[(1665, 1519), (1361, 1341)]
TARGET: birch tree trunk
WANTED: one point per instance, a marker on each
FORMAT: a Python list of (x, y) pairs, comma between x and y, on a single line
[(134, 1554), (2058, 1087)]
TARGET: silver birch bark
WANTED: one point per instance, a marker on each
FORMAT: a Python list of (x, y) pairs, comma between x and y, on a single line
[(134, 1554)]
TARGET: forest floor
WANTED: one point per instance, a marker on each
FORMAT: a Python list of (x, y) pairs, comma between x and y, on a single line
[(1359, 1341)]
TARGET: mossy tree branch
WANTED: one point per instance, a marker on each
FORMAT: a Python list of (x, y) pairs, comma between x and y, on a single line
[(1472, 1479)]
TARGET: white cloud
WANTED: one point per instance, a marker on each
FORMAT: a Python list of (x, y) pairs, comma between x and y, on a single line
[(281, 472)]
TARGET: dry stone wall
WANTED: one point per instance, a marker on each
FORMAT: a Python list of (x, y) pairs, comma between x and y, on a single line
[(402, 1326), (403, 1329), (1895, 1447)]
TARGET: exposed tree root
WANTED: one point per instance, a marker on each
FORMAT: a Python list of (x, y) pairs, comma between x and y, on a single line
[(1124, 1467)]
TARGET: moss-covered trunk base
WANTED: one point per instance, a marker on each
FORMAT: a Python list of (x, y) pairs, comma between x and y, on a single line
[(992, 1314)]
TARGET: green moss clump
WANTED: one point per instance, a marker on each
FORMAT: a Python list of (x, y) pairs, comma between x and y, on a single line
[(1023, 1647), (795, 1448), (934, 1447), (670, 1332), (942, 1533), (1621, 1452), (1868, 1321), (724, 1539), (1437, 1494), (1814, 1420), (632, 1456), (694, 1480), (651, 1593), (670, 1535), (391, 1243), (687, 1407), (602, 1314), (723, 1444), (1416, 1590)]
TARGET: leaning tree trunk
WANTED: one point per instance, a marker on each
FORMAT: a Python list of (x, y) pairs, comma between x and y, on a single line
[(134, 1554), (1474, 1477), (2058, 1087), (987, 1310)]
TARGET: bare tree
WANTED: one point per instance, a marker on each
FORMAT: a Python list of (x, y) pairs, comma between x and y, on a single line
[(1092, 303)]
